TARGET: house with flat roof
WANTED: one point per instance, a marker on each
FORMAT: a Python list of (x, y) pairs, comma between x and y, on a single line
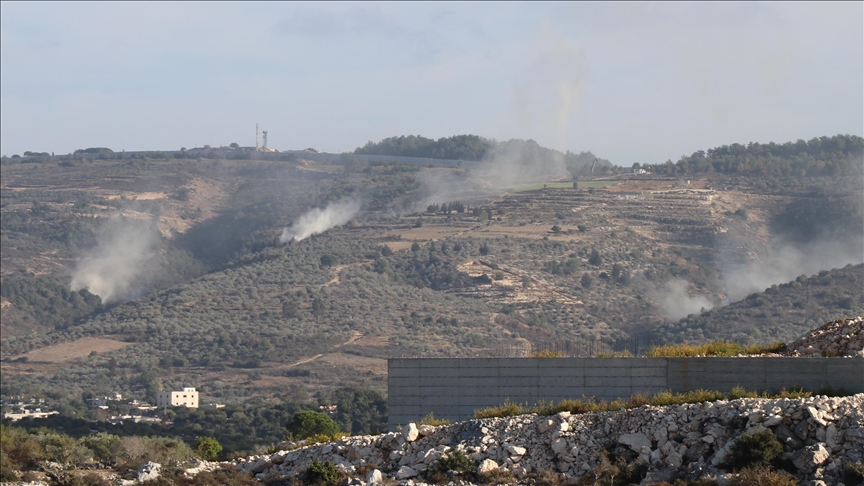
[(186, 398)]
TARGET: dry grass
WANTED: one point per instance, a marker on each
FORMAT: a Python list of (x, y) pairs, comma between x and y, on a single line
[(592, 405), (714, 348), (63, 352)]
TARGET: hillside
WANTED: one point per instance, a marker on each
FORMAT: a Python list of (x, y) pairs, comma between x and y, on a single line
[(781, 313), (432, 261)]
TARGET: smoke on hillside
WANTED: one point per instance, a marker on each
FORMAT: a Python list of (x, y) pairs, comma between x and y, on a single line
[(319, 220), (508, 164), (776, 265), (785, 263), (114, 268)]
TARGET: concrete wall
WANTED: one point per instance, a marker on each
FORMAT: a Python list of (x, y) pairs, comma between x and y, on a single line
[(454, 388)]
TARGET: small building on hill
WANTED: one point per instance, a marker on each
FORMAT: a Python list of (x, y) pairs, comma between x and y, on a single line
[(186, 398)]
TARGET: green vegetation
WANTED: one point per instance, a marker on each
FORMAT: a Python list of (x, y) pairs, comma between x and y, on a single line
[(714, 348), (431, 420), (591, 405), (562, 185), (321, 474), (307, 423), (840, 154), (207, 448), (755, 449)]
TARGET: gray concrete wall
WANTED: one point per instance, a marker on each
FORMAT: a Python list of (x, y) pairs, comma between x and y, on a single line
[(454, 388)]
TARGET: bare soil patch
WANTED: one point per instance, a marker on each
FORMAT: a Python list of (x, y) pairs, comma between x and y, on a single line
[(63, 352)]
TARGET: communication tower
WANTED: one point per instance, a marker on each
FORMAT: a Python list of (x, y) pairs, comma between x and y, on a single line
[(264, 144)]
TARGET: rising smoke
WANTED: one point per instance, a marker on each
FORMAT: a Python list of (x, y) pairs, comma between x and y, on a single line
[(780, 264), (677, 303), (317, 220), (115, 267)]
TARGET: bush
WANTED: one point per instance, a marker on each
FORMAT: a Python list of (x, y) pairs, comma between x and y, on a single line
[(307, 423), (454, 460), (431, 420), (546, 353), (321, 474), (763, 476), (207, 448), (754, 450), (853, 473)]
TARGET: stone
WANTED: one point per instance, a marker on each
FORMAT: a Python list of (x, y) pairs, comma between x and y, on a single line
[(375, 477), (674, 460), (545, 425), (487, 465), (635, 441), (406, 472), (811, 457), (426, 430), (559, 445), (516, 450), (410, 432), (773, 420), (148, 472)]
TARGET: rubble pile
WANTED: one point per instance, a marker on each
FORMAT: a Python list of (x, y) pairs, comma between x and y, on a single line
[(843, 337), (820, 435)]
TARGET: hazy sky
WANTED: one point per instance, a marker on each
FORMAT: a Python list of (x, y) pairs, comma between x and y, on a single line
[(631, 82)]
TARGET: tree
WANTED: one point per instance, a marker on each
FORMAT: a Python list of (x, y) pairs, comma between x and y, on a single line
[(329, 260), (289, 309), (586, 280), (556, 229), (234, 145), (307, 423), (595, 258), (207, 448), (484, 249)]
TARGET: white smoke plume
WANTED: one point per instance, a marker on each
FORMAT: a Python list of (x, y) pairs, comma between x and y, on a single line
[(112, 269), (785, 263), (677, 303), (509, 164), (317, 220)]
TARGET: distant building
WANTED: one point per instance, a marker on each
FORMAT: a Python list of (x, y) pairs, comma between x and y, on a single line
[(38, 413), (186, 398)]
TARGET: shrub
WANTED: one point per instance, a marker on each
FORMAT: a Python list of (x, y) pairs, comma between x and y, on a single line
[(507, 409), (431, 420), (207, 448), (755, 450), (307, 423), (321, 474), (853, 473), (763, 476), (497, 476), (454, 460), (546, 353)]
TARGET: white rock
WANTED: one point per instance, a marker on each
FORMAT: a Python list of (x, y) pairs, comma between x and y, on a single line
[(148, 472), (487, 465), (410, 432), (810, 457), (426, 430), (545, 425), (773, 420), (635, 441), (374, 477), (516, 450), (406, 472)]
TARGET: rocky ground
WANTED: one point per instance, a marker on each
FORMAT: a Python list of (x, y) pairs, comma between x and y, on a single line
[(820, 435), (843, 337)]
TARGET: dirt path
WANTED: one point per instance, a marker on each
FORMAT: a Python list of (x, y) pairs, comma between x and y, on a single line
[(354, 337)]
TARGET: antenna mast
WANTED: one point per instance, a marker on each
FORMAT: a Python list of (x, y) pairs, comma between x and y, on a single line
[(256, 137), (264, 145)]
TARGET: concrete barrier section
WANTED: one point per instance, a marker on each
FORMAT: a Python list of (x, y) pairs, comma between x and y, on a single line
[(454, 388)]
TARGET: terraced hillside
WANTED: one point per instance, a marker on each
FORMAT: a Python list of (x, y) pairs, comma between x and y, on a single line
[(220, 304)]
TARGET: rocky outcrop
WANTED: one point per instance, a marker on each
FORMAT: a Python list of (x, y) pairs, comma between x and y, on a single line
[(843, 337), (818, 434)]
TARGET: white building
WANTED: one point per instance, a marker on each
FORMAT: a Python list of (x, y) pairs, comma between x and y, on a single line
[(186, 398)]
